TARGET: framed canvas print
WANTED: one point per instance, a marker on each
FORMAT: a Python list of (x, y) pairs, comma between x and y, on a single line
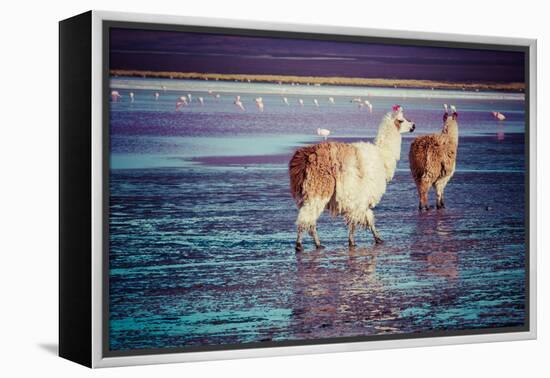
[(234, 189)]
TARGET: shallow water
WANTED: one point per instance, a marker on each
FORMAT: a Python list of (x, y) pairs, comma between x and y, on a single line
[(202, 225)]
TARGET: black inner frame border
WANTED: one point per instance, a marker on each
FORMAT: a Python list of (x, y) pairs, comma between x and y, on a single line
[(105, 35)]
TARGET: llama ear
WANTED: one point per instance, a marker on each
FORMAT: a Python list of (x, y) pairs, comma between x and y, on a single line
[(397, 124), (397, 109)]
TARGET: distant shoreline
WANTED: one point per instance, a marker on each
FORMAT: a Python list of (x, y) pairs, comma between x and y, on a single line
[(319, 80)]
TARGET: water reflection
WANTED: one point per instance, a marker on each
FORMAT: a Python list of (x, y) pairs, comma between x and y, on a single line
[(339, 293), (435, 246), (500, 131)]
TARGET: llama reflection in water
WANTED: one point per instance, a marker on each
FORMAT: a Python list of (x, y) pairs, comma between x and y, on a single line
[(383, 289), (339, 294), (436, 230)]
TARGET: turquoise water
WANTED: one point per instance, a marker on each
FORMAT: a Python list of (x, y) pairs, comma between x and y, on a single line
[(202, 223)]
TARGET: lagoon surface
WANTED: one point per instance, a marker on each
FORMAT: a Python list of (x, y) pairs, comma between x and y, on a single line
[(202, 222)]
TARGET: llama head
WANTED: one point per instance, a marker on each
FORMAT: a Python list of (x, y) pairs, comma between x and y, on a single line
[(402, 124), (454, 114), (452, 117), (450, 121)]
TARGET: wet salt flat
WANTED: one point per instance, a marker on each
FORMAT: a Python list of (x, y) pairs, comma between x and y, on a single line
[(202, 223)]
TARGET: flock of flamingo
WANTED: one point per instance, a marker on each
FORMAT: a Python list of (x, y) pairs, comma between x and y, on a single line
[(184, 101)]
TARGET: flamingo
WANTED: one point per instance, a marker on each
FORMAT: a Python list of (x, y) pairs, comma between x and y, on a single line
[(316, 102), (163, 88), (115, 95), (331, 100), (301, 102), (131, 94), (157, 95), (201, 100), (369, 105), (239, 103), (189, 96), (182, 101), (285, 100), (215, 95), (323, 132), (499, 116), (260, 104), (358, 100)]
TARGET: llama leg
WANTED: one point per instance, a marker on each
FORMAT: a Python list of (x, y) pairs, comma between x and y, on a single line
[(315, 236), (299, 246), (439, 187), (351, 232), (372, 228), (439, 204), (423, 187), (307, 220)]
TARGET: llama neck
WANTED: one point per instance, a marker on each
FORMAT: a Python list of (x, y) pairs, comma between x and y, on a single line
[(451, 131), (388, 141)]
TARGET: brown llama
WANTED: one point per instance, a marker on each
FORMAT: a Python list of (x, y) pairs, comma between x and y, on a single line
[(432, 160)]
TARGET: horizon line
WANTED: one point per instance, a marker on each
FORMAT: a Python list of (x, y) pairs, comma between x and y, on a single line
[(324, 80)]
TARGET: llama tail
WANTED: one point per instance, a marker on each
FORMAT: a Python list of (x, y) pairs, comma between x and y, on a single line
[(418, 159), (297, 169), (421, 162)]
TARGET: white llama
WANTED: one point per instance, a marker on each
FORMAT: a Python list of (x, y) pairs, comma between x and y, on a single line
[(347, 179)]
